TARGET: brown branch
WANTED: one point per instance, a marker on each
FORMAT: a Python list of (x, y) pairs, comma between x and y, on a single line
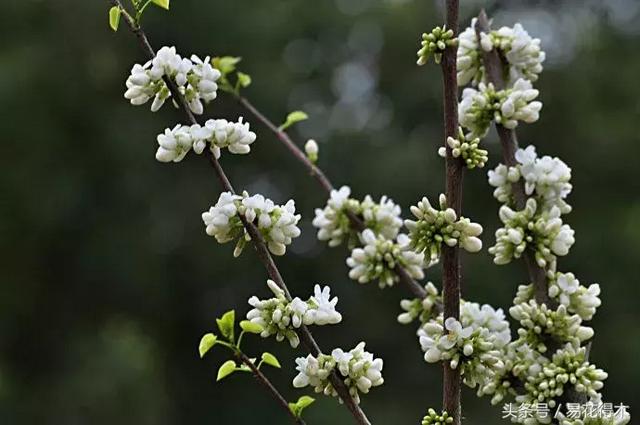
[(270, 387), (452, 270), (494, 69), (258, 241), (316, 172)]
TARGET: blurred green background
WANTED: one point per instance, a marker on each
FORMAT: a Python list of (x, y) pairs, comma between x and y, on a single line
[(108, 279)]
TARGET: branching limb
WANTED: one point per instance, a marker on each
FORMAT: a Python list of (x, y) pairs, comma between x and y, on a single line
[(452, 271), (322, 179), (494, 67), (269, 386), (258, 241)]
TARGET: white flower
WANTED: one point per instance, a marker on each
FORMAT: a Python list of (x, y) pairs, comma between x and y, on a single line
[(436, 226), (175, 143), (542, 230), (358, 368), (195, 79), (578, 299), (277, 223), (281, 317), (378, 259), (521, 51), (311, 149), (479, 107), (334, 225), (473, 350), (469, 59)]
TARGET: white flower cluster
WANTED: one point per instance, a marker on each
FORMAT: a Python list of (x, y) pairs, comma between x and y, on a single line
[(469, 58), (217, 134), (543, 231), (423, 309), (379, 257), (195, 79), (472, 350), (521, 51), (485, 316), (358, 368), (435, 226), (548, 380), (469, 150), (539, 323), (277, 223), (579, 299), (479, 107), (435, 43), (546, 178), (281, 317), (333, 224)]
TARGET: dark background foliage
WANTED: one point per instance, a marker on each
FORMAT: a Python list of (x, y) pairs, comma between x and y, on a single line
[(108, 279)]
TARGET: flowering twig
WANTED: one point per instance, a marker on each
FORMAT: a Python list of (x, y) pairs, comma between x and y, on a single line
[(269, 386), (322, 179), (256, 236), (452, 271), (494, 66), (509, 142)]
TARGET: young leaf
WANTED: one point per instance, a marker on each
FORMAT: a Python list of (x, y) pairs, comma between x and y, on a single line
[(292, 118), (225, 64), (114, 17), (244, 79), (162, 3), (302, 403), (207, 341), (271, 360), (226, 369), (251, 327), (226, 324)]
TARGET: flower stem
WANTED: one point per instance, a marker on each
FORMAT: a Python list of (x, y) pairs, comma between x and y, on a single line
[(452, 269), (256, 236)]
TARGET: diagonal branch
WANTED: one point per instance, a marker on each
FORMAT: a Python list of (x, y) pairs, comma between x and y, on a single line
[(261, 248), (269, 386), (316, 172), (494, 67), (452, 269)]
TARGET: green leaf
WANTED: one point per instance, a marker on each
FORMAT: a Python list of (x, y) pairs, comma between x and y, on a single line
[(302, 403), (226, 324), (292, 118), (207, 341), (271, 360), (244, 79), (162, 3), (225, 64), (226, 369), (252, 328), (114, 17)]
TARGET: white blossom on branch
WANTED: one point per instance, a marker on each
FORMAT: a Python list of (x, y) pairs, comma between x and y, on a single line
[(218, 134), (433, 227), (379, 257), (281, 317), (334, 225), (277, 223), (359, 370), (195, 79)]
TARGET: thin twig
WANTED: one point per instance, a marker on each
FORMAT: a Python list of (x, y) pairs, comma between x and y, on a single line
[(494, 69), (261, 248), (452, 270), (269, 386), (322, 179)]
